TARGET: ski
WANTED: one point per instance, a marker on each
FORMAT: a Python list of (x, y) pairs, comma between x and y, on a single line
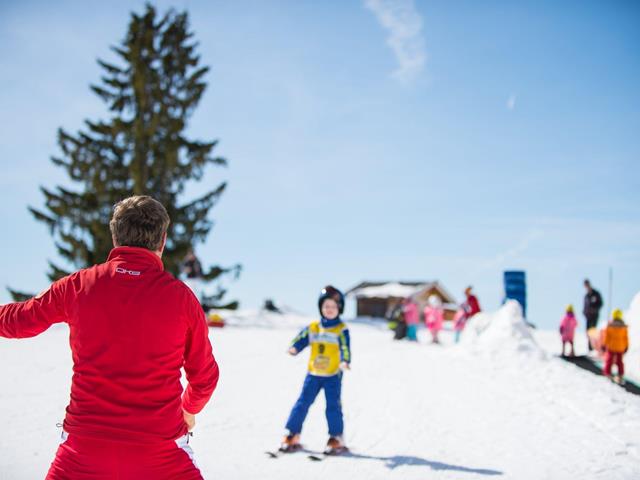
[(280, 452), (333, 452)]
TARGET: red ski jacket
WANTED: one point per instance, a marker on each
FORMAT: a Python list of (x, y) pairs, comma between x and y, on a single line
[(132, 326), (474, 305)]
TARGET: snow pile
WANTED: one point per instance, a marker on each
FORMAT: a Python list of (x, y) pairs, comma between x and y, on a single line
[(500, 332)]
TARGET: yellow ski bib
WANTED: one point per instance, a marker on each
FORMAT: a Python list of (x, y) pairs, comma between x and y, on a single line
[(324, 360)]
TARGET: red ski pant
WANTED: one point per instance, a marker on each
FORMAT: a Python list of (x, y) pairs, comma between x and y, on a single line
[(610, 359), (87, 458)]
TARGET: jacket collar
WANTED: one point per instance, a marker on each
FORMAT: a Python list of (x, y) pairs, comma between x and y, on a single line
[(137, 255), (326, 323)]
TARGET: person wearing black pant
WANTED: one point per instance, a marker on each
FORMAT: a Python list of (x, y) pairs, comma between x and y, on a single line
[(592, 306)]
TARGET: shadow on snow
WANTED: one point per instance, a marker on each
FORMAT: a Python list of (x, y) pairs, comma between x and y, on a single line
[(396, 461)]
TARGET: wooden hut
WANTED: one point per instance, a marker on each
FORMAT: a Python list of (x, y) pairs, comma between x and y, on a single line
[(378, 299)]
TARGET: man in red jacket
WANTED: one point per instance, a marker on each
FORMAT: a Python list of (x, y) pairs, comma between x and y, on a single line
[(132, 328)]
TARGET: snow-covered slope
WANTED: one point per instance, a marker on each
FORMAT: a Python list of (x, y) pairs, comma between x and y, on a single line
[(632, 317), (492, 406)]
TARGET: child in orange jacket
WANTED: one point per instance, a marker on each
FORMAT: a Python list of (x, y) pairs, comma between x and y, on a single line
[(616, 342)]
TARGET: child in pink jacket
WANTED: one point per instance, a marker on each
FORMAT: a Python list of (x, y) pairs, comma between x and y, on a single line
[(459, 322), (434, 316), (568, 326), (412, 318)]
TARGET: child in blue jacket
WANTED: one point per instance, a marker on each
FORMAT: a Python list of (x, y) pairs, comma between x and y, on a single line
[(330, 356)]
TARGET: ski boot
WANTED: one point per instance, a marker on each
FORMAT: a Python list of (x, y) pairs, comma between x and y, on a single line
[(335, 446), (290, 443)]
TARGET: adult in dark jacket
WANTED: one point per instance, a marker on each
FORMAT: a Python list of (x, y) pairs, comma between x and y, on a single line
[(591, 309)]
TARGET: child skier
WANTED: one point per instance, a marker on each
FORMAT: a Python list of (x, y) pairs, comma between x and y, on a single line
[(568, 326), (459, 322), (467, 310), (434, 316), (330, 356), (397, 322), (616, 342), (596, 342), (412, 318)]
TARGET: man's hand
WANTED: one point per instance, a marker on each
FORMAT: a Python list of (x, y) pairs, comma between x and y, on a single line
[(344, 366), (292, 351), (189, 419)]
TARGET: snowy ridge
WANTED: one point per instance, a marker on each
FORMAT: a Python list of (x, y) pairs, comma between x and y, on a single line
[(632, 318), (262, 319)]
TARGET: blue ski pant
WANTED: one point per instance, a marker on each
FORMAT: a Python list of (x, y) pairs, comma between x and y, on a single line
[(412, 332), (310, 389)]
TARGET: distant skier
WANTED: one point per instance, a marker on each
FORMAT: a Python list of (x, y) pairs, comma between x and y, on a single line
[(616, 343), (568, 326), (397, 322), (192, 270), (270, 306), (459, 322), (596, 340), (467, 310), (133, 327), (330, 356), (412, 318), (592, 306), (434, 317), (472, 305)]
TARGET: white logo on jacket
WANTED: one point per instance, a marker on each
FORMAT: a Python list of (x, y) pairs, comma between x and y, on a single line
[(135, 273)]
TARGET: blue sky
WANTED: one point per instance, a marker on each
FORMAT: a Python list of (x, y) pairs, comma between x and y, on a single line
[(368, 141)]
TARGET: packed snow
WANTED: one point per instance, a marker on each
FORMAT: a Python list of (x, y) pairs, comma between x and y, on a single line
[(498, 404), (504, 332)]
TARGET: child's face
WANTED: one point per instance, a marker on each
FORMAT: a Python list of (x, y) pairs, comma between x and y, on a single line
[(329, 309)]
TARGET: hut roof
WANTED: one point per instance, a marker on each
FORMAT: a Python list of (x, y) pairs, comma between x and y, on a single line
[(399, 289)]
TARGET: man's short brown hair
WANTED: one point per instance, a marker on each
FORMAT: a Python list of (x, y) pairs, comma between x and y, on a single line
[(139, 221)]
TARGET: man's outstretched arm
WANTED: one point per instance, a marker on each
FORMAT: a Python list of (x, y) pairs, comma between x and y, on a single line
[(34, 316)]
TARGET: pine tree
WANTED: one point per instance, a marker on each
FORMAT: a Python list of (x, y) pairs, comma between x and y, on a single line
[(141, 150)]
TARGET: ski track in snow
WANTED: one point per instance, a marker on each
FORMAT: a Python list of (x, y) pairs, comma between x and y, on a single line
[(412, 411)]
